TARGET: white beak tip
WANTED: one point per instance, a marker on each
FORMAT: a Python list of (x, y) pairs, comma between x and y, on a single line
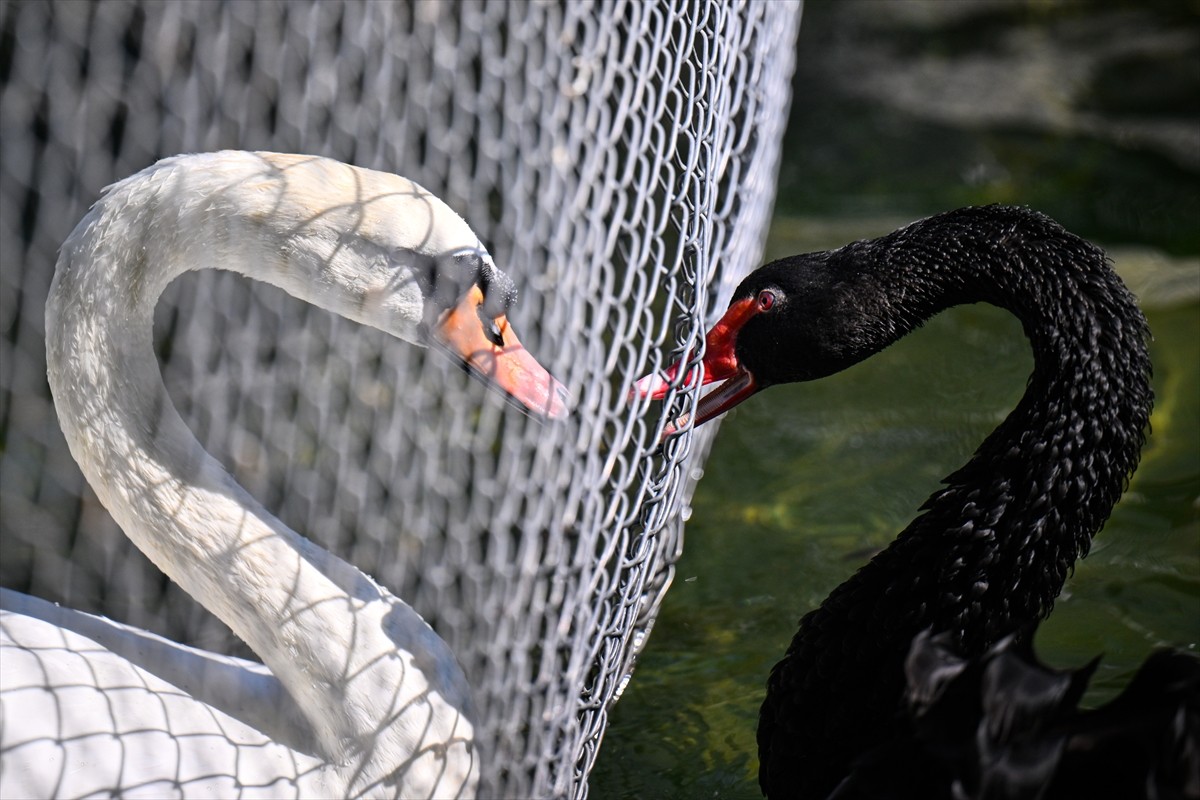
[(650, 385)]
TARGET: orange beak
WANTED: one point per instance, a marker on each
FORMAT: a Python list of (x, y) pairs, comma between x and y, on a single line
[(507, 366)]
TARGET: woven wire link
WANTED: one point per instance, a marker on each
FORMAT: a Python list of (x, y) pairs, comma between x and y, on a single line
[(618, 158)]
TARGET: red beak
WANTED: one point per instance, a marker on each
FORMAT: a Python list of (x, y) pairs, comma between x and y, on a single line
[(719, 364), (508, 366)]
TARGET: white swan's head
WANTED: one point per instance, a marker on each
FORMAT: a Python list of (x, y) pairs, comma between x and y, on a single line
[(409, 265)]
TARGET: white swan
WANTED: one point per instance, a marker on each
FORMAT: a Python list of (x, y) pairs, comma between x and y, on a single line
[(359, 697)]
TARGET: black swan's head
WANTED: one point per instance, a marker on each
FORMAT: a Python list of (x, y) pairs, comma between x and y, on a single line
[(804, 317), (808, 316)]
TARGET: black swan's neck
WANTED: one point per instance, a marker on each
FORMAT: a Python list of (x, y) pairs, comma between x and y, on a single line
[(991, 550)]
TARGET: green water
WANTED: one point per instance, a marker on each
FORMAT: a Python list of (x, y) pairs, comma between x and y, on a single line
[(806, 482)]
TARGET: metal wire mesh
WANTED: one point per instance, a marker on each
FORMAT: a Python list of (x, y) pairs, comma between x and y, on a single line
[(618, 158)]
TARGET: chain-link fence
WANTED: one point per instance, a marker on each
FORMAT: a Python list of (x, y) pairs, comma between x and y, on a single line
[(617, 158)]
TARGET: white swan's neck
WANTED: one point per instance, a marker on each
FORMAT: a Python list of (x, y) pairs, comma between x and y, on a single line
[(377, 685)]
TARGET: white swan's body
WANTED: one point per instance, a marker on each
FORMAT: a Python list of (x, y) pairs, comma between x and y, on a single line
[(358, 696), (84, 719)]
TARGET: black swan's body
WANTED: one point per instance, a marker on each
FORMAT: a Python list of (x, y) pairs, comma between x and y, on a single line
[(991, 550), (1004, 725)]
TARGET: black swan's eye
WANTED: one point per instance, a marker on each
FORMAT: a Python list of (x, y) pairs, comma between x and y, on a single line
[(766, 300)]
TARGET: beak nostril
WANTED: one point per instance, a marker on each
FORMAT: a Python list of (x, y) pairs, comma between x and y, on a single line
[(491, 328)]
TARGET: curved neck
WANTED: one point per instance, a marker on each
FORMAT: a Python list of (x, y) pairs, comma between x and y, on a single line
[(992, 549), (1041, 485), (374, 681)]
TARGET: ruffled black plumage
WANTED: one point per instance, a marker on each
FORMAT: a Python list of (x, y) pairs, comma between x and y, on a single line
[(1005, 725)]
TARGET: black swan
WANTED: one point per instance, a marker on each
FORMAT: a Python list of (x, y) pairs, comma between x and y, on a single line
[(990, 551)]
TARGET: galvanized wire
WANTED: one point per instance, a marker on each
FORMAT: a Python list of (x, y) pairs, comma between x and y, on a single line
[(618, 158)]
